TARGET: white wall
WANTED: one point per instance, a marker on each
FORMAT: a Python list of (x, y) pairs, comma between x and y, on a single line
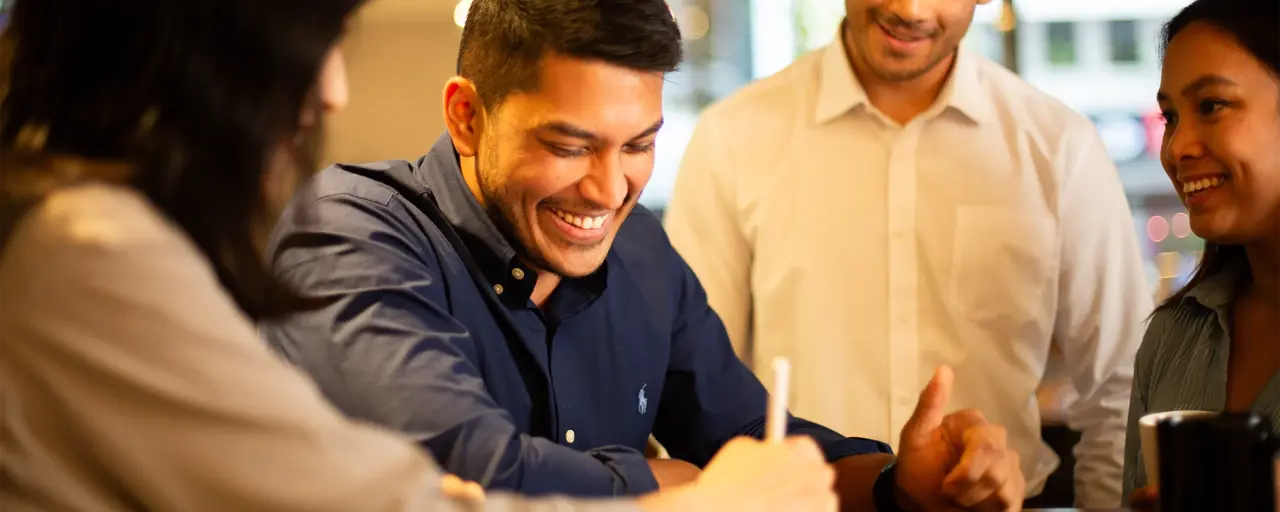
[(397, 69)]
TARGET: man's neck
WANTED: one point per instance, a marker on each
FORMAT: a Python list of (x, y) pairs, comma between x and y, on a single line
[(902, 100), (547, 283), (468, 167)]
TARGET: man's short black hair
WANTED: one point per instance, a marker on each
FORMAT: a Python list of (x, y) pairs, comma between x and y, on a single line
[(503, 41)]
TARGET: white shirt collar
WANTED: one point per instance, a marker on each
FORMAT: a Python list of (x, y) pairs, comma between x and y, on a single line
[(839, 90)]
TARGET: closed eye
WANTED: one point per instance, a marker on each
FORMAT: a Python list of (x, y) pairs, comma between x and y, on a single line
[(566, 152), (639, 148)]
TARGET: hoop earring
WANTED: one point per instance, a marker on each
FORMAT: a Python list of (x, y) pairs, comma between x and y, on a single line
[(32, 137)]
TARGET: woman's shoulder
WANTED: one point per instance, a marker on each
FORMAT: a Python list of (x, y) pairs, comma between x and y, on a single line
[(103, 241), (1182, 342), (1179, 312), (99, 274), (1175, 324), (97, 216)]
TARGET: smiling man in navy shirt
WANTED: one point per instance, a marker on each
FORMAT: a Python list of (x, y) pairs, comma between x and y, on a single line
[(506, 302)]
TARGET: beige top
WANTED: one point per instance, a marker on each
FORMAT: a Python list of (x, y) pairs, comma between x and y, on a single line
[(129, 380)]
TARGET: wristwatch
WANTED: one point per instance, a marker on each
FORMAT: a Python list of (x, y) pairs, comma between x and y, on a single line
[(882, 493)]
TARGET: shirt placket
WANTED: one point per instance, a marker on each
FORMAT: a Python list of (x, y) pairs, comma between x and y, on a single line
[(903, 308)]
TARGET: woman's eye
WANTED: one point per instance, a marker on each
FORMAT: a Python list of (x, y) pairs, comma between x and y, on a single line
[(1210, 106)]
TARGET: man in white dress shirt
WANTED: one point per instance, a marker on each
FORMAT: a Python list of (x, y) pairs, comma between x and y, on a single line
[(891, 203)]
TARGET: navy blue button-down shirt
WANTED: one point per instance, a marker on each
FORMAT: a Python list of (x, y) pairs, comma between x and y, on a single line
[(427, 328)]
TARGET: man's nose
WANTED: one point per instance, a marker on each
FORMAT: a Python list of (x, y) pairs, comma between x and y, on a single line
[(913, 11), (606, 184)]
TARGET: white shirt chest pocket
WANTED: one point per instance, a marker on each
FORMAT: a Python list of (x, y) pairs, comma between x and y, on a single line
[(1002, 265)]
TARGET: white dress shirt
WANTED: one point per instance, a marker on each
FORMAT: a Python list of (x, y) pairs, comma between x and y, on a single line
[(129, 380), (869, 252)]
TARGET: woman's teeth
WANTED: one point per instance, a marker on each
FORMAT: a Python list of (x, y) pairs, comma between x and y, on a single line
[(581, 221), (1203, 184)]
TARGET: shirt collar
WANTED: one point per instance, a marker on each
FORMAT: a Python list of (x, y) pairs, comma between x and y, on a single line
[(1217, 290), (839, 90), (511, 279), (838, 87), (964, 91)]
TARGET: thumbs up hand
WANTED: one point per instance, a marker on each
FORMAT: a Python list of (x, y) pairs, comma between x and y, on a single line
[(956, 461)]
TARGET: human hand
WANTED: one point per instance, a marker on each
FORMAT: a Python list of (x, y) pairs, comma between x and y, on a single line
[(672, 472), (956, 461), (460, 489), (749, 475), (1146, 499)]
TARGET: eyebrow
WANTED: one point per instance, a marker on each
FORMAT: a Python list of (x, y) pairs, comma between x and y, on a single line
[(577, 132), (652, 129), (1200, 83), (569, 130)]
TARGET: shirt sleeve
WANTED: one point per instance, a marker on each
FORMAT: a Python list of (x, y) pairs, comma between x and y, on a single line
[(1102, 306), (710, 396), (703, 225), (385, 349), (162, 384), (1135, 472)]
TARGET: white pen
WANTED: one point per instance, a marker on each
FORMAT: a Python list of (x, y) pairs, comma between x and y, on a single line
[(775, 420)]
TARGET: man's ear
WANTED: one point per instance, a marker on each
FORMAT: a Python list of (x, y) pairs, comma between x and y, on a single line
[(463, 114)]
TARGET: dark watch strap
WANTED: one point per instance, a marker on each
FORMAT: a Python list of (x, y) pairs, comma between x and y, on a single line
[(882, 493)]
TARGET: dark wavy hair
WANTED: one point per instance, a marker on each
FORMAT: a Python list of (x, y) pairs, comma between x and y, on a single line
[(503, 41), (194, 95), (1253, 24)]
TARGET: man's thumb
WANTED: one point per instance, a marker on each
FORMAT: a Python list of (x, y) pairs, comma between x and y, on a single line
[(933, 400)]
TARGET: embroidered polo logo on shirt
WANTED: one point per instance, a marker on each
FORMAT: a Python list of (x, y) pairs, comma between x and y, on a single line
[(644, 402)]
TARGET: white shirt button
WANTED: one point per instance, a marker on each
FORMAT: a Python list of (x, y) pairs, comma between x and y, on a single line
[(497, 288), (568, 436), (517, 273)]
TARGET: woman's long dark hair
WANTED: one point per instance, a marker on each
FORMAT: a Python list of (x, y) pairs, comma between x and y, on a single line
[(196, 95), (1253, 24)]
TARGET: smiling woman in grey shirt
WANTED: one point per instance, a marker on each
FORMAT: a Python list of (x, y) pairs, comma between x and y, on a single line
[(1215, 345)]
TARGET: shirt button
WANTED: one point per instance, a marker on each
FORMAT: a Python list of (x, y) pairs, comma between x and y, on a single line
[(569, 436), (517, 273), (497, 288)]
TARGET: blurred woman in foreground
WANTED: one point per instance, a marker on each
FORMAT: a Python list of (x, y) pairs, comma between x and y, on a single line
[(1215, 345), (146, 147)]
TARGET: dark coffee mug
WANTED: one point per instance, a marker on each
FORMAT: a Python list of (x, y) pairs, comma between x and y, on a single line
[(1222, 463)]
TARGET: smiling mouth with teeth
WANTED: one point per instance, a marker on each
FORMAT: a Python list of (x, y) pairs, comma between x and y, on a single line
[(1203, 185), (580, 221)]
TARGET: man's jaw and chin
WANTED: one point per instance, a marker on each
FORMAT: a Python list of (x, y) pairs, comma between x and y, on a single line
[(538, 261), (578, 257), (886, 64), (891, 67), (535, 252)]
